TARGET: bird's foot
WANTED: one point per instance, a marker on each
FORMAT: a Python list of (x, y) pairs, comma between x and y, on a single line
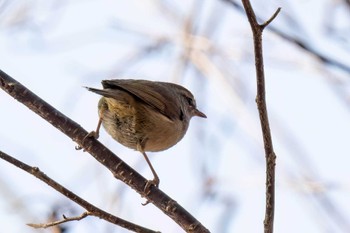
[(92, 134), (155, 182)]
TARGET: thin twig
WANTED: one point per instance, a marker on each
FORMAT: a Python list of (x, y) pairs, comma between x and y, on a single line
[(55, 223), (92, 210), (111, 161), (272, 17), (270, 156)]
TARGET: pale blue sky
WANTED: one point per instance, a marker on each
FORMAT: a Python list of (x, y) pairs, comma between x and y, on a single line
[(54, 48)]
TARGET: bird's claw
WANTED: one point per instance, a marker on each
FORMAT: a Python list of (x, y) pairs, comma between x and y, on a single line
[(92, 134), (155, 182)]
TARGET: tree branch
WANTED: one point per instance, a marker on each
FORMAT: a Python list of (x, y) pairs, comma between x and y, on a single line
[(92, 210), (272, 18), (270, 156), (119, 168), (65, 219)]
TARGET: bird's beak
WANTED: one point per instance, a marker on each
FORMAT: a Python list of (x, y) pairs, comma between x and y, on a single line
[(199, 113)]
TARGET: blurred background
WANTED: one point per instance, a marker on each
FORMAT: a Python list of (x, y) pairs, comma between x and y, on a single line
[(217, 172)]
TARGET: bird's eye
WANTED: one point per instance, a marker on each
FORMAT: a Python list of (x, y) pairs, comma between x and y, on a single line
[(190, 101)]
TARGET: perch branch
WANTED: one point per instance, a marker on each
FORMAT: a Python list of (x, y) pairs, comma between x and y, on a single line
[(118, 168)]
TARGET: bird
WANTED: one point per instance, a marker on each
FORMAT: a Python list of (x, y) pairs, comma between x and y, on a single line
[(145, 115)]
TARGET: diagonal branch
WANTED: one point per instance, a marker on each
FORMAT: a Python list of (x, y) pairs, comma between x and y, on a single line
[(270, 156), (119, 168), (272, 18), (92, 210)]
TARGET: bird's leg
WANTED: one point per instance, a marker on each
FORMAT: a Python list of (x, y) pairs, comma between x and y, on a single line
[(155, 180), (94, 134), (149, 183)]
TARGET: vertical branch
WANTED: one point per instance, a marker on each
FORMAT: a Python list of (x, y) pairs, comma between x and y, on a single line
[(270, 156)]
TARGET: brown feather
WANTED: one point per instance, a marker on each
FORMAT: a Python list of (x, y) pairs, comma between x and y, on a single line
[(153, 94)]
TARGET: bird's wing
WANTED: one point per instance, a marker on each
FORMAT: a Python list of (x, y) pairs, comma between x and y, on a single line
[(154, 94)]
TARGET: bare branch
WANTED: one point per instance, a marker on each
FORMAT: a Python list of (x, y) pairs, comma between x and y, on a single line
[(92, 210), (264, 121), (55, 223), (272, 17)]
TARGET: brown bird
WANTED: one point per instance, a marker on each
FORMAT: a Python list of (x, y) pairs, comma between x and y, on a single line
[(145, 115)]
